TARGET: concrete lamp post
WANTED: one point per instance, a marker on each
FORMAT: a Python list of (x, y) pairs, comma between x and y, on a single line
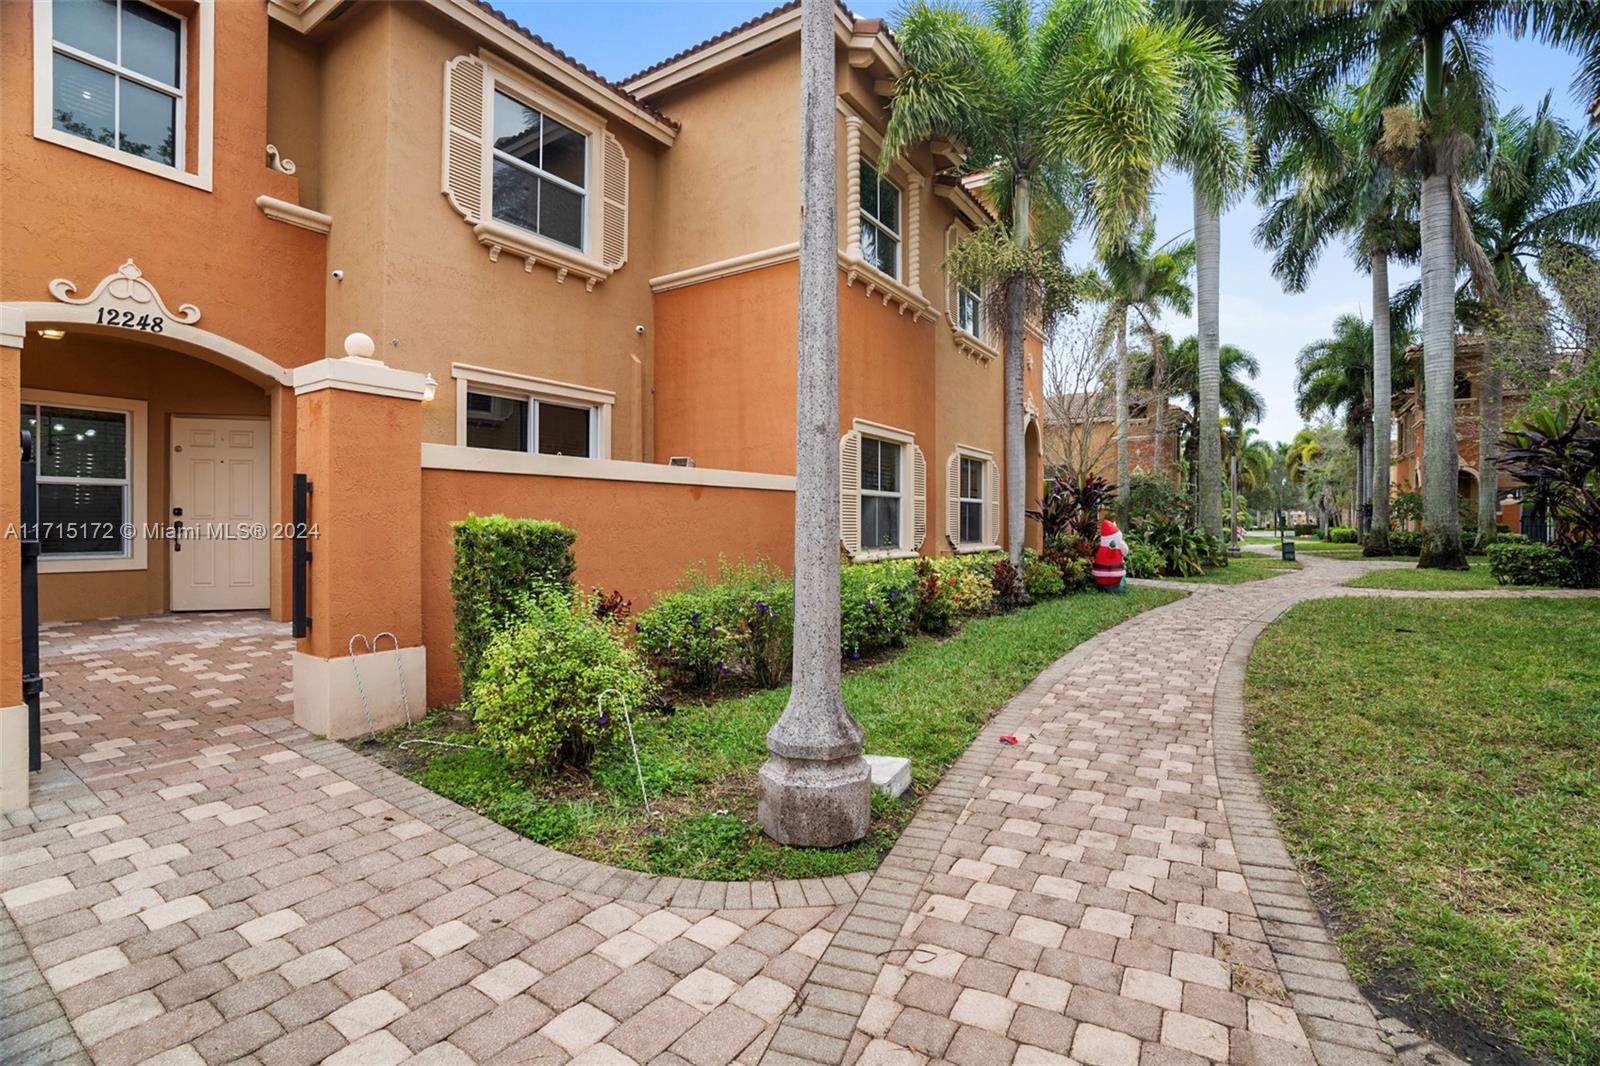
[(816, 789)]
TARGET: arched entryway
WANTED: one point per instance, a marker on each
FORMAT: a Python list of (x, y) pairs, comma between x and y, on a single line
[(159, 461)]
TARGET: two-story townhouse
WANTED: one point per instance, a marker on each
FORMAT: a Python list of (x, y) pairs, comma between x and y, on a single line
[(565, 298)]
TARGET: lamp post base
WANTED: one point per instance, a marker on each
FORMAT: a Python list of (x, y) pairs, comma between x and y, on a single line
[(815, 803)]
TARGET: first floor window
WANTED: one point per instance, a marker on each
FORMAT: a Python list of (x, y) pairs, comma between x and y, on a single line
[(539, 172), (880, 494), (969, 311), (117, 76), (972, 500), (85, 479), (880, 221), (529, 424)]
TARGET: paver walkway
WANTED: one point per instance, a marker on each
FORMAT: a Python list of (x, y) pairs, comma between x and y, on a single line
[(200, 882)]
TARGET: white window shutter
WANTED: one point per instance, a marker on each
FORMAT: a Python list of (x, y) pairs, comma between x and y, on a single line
[(614, 195), (919, 498), (466, 119), (850, 492), (991, 490), (952, 496)]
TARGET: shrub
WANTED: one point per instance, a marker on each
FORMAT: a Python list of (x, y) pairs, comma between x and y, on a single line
[(933, 610), (741, 623), (1556, 451), (1142, 560), (1531, 564), (965, 582), (1341, 535), (498, 561), (1075, 574), (1307, 529), (1184, 552), (1151, 497), (1405, 542), (1072, 505), (1008, 591), (535, 695), (877, 603), (1043, 579)]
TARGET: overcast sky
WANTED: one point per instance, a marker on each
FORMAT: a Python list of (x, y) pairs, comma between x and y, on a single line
[(619, 37)]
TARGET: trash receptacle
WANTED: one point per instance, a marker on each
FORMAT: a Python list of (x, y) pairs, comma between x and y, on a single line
[(1288, 551)]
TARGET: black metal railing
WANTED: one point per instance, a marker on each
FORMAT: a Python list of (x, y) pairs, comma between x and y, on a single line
[(32, 681), (300, 575)]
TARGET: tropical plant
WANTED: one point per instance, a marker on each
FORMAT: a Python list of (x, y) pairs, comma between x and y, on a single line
[(1436, 47), (1072, 505), (1326, 181), (1073, 103), (1240, 402), (1185, 550), (1556, 452), (1139, 278), (1539, 198)]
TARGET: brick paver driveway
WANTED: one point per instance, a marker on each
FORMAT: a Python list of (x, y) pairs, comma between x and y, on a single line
[(199, 881)]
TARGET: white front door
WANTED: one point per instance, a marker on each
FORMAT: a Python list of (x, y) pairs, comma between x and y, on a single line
[(221, 493)]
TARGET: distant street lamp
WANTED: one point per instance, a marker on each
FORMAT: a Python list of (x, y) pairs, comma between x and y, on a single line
[(816, 789)]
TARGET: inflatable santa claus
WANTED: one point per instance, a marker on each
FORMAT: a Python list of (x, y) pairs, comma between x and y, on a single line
[(1108, 569)]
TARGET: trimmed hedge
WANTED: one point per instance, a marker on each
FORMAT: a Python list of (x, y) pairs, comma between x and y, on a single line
[(1405, 542), (1531, 564), (1341, 535), (499, 561)]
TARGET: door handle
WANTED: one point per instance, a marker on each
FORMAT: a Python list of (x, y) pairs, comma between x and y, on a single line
[(177, 532)]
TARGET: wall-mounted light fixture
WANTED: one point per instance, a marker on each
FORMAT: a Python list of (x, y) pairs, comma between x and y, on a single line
[(430, 388), (52, 334)]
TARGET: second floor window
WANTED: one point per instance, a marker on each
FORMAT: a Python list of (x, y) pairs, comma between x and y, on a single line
[(969, 311), (539, 172), (880, 221), (117, 76)]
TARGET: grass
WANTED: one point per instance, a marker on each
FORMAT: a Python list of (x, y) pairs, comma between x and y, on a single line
[(1249, 567), (1434, 762), (926, 702), (1427, 580)]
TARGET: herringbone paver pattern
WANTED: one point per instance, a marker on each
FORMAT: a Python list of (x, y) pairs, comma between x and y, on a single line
[(200, 882)]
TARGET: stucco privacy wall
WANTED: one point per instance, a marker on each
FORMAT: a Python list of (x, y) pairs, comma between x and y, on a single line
[(614, 520), (415, 276)]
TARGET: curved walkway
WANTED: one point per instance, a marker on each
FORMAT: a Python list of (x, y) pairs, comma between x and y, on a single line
[(223, 888)]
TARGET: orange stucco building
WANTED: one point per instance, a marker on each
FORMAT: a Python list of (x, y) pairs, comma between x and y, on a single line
[(576, 300), (1406, 469)]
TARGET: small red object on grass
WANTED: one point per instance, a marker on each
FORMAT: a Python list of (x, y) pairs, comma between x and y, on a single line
[(1008, 740)]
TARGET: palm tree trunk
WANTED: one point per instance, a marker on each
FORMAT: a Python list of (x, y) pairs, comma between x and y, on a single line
[(1015, 361), (1158, 398), (1441, 463), (1123, 474), (1382, 375), (1208, 254), (815, 789), (1488, 447), (1364, 501)]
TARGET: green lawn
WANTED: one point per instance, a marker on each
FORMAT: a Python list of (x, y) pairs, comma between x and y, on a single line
[(1247, 567), (927, 702), (1435, 763), (1427, 580)]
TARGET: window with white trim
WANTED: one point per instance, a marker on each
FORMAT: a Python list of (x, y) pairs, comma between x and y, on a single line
[(882, 489), (540, 172), (880, 221), (972, 500), (117, 76), (85, 478), (525, 423), (969, 311)]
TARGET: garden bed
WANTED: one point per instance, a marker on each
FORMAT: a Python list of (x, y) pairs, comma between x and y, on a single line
[(1432, 764), (927, 702)]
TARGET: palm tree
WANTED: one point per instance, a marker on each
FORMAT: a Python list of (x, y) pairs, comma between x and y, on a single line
[(1326, 181), (1402, 42), (1142, 279), (815, 788), (1213, 150), (1539, 197), (1071, 101), (1237, 399)]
